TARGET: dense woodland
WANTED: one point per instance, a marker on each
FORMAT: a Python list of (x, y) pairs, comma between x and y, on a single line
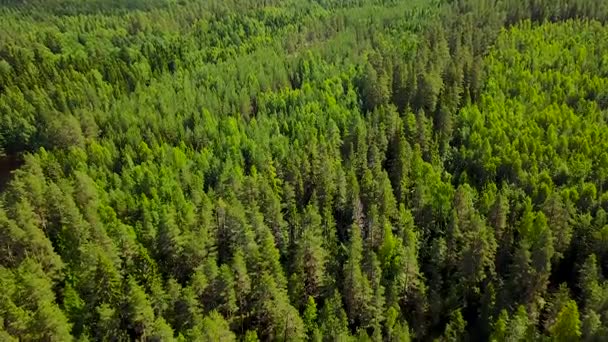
[(303, 170)]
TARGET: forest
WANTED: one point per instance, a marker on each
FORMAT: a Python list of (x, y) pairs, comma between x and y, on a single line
[(304, 170)]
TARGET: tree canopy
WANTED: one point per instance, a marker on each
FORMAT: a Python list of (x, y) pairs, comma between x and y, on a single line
[(316, 170)]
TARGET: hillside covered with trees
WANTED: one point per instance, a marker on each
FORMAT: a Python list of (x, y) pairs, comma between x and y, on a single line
[(304, 170)]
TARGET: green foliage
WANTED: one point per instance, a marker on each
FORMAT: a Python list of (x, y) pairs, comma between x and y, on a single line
[(28, 307), (303, 170), (567, 326)]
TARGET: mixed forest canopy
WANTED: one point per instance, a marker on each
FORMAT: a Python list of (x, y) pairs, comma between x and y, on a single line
[(303, 170)]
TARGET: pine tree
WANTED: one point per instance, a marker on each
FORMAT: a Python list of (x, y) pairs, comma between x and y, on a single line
[(242, 286), (357, 291), (310, 256), (567, 326), (558, 219), (333, 318), (139, 311)]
